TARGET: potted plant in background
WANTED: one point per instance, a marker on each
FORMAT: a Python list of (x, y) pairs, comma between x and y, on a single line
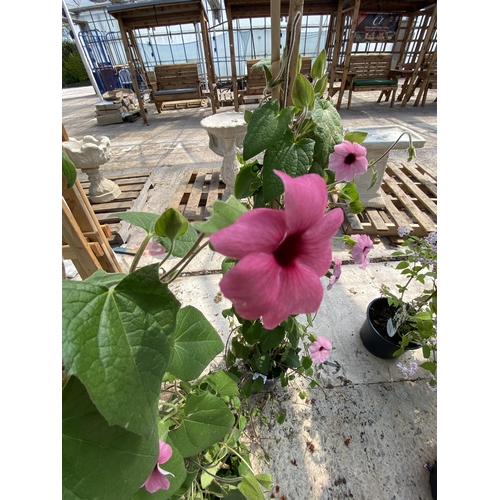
[(394, 324)]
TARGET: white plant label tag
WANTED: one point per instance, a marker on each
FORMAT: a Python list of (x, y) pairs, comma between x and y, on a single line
[(390, 328)]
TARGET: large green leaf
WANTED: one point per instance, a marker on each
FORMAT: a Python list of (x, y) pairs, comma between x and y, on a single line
[(206, 421), (141, 219), (148, 221), (223, 383), (196, 344), (291, 157), (182, 244), (68, 170), (327, 130), (118, 342), (100, 461), (224, 213), (265, 127), (250, 487)]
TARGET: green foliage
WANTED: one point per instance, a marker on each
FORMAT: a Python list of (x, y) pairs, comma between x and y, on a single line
[(133, 374), (268, 354), (68, 170), (73, 69), (417, 319), (295, 139)]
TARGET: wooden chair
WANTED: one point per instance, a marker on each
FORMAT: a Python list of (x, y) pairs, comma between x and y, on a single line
[(426, 79), (370, 72), (176, 82)]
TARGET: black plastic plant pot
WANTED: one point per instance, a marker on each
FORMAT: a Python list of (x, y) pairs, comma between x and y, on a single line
[(374, 330)]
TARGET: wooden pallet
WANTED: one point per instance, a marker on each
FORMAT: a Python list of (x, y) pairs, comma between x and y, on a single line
[(198, 191), (410, 195), (192, 103), (134, 189)]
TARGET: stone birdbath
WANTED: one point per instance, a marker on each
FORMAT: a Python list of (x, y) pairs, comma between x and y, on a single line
[(226, 132), (377, 142), (88, 155)]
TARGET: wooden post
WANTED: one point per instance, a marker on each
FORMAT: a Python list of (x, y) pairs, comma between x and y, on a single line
[(275, 44), (348, 51), (209, 64), (411, 84), (131, 65), (234, 77)]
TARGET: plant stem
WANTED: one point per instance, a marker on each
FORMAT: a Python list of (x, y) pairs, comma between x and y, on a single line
[(393, 146), (139, 253), (186, 259)]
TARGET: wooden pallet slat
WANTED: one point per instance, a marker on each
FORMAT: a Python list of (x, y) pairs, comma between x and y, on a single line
[(135, 188), (413, 188), (410, 197), (198, 191)]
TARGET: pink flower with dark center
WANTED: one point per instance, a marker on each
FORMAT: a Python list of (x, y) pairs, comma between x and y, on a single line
[(158, 478), (361, 249), (282, 254), (348, 160), (320, 349), (337, 270)]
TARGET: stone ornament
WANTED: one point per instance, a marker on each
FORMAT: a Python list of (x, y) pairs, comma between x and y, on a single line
[(88, 155)]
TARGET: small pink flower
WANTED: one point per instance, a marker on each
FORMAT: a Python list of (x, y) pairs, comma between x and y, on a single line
[(282, 254), (348, 160), (361, 249), (408, 370), (158, 478), (337, 270), (320, 349)]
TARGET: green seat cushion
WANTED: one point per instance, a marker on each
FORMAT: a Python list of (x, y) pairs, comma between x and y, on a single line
[(375, 81)]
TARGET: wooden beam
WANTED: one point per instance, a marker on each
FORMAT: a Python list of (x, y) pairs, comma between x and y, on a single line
[(275, 44)]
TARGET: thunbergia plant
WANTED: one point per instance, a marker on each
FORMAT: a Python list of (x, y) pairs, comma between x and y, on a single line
[(143, 416), (416, 320)]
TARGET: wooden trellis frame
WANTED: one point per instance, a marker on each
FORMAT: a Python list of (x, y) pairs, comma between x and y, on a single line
[(84, 239)]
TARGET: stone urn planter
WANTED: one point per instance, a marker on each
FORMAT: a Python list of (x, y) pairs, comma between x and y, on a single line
[(88, 155), (377, 142)]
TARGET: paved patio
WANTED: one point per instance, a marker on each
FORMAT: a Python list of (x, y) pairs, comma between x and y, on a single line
[(372, 430)]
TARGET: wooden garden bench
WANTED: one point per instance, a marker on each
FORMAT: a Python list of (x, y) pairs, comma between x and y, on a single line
[(371, 72), (176, 82)]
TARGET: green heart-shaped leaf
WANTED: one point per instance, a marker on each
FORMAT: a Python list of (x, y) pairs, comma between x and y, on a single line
[(206, 421), (118, 342), (183, 243), (224, 213), (99, 460), (196, 344)]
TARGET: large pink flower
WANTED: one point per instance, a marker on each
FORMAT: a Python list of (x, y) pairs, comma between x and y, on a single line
[(348, 160), (320, 349), (282, 254), (158, 478), (361, 249)]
